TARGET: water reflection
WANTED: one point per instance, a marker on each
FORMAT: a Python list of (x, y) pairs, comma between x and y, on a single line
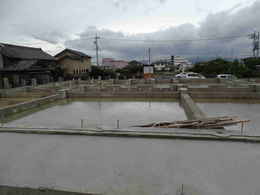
[(102, 114), (242, 110)]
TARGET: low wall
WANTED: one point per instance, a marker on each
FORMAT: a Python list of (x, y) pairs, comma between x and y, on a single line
[(12, 91), (225, 95), (214, 88), (153, 81), (192, 111), (131, 94), (63, 84), (6, 190), (50, 87), (250, 92), (9, 110)]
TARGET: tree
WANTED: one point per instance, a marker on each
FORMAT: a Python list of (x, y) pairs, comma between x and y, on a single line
[(221, 66), (134, 68), (250, 65), (105, 74)]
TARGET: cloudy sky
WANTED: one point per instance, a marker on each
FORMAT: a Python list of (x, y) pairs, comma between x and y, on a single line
[(128, 27)]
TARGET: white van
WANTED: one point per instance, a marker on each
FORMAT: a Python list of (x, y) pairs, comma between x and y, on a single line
[(190, 75), (226, 76), (193, 75)]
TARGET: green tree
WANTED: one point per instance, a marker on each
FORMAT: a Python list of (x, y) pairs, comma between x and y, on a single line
[(104, 73), (134, 68), (250, 64)]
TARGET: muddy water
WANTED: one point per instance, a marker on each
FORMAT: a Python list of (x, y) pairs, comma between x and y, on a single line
[(116, 166), (102, 114), (243, 110)]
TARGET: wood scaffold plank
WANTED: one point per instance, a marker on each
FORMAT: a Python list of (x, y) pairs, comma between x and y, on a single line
[(205, 123)]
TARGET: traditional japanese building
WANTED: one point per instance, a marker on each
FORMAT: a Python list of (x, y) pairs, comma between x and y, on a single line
[(20, 64)]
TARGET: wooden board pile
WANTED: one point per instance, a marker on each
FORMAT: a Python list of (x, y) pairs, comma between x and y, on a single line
[(206, 123)]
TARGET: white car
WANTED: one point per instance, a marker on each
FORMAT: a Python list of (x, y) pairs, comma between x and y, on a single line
[(193, 75), (181, 75), (190, 75), (226, 76)]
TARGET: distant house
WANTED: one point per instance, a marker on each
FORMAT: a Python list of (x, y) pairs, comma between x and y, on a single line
[(73, 62), (20, 64), (113, 64)]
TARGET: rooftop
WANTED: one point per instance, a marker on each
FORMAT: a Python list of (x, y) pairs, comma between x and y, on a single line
[(75, 52), (24, 52)]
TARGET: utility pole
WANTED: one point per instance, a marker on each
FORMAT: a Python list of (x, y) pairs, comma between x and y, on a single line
[(96, 43), (255, 37), (149, 54)]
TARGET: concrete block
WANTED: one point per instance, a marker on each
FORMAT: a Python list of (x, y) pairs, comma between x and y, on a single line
[(60, 79), (183, 90), (130, 82), (63, 93), (23, 82), (34, 82), (16, 80), (6, 83)]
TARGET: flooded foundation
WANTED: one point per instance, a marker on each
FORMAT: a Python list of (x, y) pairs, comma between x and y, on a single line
[(102, 114), (88, 143)]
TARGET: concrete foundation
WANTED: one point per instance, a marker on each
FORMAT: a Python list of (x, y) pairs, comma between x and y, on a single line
[(192, 111), (6, 83), (7, 190), (34, 82), (193, 135), (9, 110)]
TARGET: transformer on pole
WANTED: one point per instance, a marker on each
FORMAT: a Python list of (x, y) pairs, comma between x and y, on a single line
[(255, 37)]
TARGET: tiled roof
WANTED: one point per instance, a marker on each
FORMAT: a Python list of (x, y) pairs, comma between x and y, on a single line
[(22, 52)]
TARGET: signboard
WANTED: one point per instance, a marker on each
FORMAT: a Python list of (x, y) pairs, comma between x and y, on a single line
[(148, 72)]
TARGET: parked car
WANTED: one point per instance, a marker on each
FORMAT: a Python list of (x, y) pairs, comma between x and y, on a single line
[(193, 75), (190, 75), (181, 75), (226, 76)]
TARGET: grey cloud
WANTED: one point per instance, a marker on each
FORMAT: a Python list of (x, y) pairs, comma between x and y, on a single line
[(163, 1), (49, 21), (53, 37), (43, 19), (223, 24)]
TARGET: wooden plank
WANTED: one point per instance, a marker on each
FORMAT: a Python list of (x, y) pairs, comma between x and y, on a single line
[(216, 122)]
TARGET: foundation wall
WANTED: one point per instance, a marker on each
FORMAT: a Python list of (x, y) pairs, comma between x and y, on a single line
[(126, 94), (6, 190), (192, 111), (9, 110)]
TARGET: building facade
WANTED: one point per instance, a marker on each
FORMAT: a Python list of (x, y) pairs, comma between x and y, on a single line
[(181, 63), (20, 64), (177, 63), (73, 62)]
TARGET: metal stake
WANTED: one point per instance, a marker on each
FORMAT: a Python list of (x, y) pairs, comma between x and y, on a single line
[(242, 128), (182, 192), (82, 123), (118, 124)]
